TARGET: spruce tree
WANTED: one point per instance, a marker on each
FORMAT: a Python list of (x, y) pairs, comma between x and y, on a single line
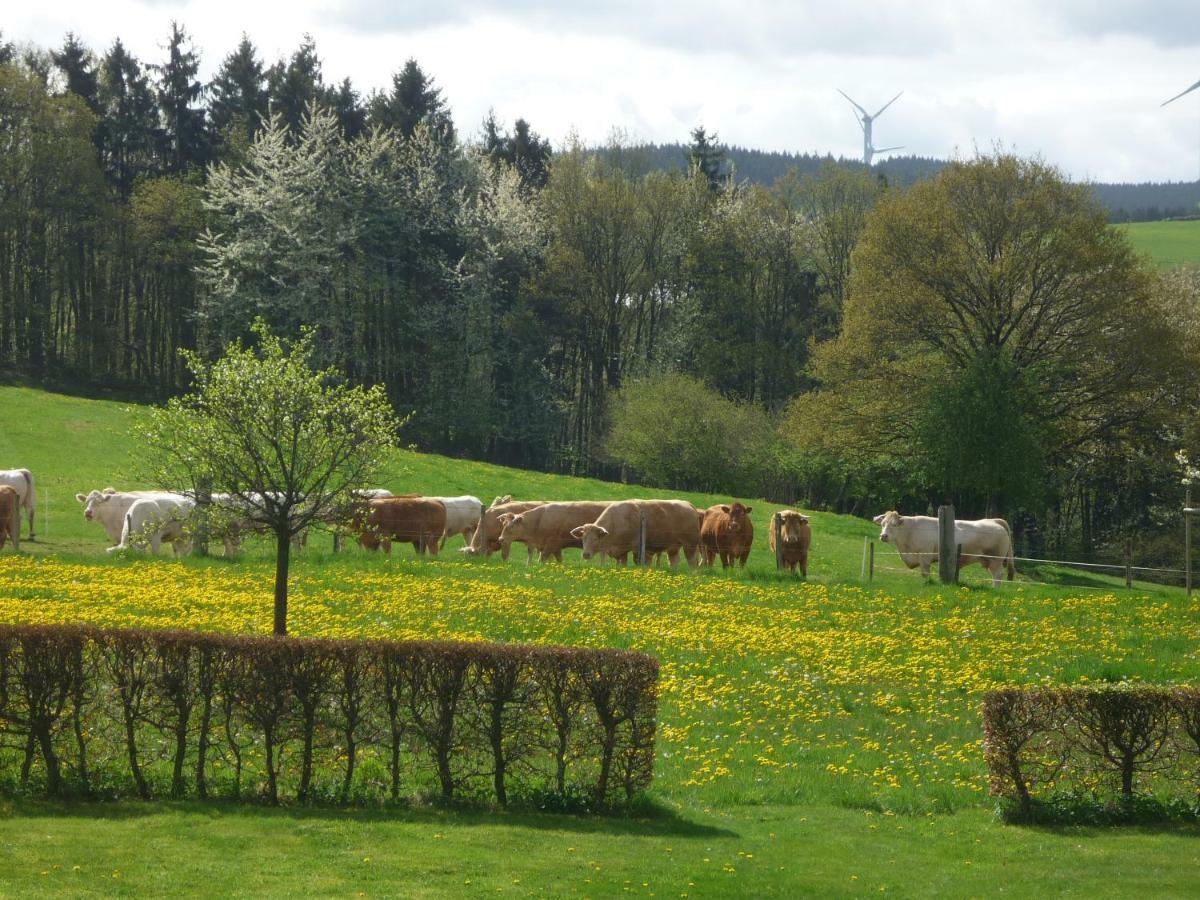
[(78, 66), (296, 85), (412, 100), (707, 157), (350, 112), (238, 93), (185, 141), (129, 122)]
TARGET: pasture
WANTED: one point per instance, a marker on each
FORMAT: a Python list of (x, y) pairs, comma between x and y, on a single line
[(1169, 244), (816, 737)]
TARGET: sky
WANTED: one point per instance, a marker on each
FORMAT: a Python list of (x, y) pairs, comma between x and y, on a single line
[(1078, 82)]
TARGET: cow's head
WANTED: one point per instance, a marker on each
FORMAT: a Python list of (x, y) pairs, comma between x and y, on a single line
[(500, 501), (94, 500), (739, 515), (791, 525), (591, 536), (513, 527), (890, 522)]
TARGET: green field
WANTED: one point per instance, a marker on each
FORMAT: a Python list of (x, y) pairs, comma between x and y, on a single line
[(1169, 244), (816, 739)]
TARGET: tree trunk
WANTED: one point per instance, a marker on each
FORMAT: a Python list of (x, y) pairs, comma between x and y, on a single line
[(283, 545)]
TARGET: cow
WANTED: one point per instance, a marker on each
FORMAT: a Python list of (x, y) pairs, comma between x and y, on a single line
[(21, 480), (548, 528), (10, 507), (486, 539), (462, 516), (795, 536), (671, 526), (726, 530), (984, 541), (236, 515), (152, 520), (108, 507), (420, 521)]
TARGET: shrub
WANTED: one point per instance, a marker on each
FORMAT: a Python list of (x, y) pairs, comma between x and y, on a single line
[(92, 711)]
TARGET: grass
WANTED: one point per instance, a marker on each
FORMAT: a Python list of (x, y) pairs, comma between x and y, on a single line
[(817, 738), (1169, 244)]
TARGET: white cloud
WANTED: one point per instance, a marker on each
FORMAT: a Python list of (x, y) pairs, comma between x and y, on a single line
[(1078, 85)]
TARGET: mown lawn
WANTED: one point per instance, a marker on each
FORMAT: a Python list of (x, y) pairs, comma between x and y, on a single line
[(816, 738)]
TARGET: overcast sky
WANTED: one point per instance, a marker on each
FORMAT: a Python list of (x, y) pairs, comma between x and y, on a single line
[(1058, 78)]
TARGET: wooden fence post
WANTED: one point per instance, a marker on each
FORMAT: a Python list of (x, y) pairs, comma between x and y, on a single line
[(641, 554), (777, 528), (871, 562), (337, 539), (1187, 540), (16, 527), (1128, 562), (947, 546), (204, 502)]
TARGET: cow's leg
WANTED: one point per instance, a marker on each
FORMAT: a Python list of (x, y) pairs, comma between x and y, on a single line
[(673, 558)]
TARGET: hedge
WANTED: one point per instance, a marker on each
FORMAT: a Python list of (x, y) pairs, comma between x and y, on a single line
[(112, 712), (1103, 742)]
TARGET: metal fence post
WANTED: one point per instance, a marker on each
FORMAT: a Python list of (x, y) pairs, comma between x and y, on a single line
[(947, 548)]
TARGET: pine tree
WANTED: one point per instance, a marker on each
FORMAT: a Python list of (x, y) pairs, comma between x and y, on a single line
[(707, 157), (238, 93), (129, 123), (185, 141), (530, 155), (350, 112), (296, 85), (78, 66), (413, 100)]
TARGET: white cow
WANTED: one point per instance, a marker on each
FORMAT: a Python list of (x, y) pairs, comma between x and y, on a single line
[(108, 507), (984, 541), (152, 520), (462, 516), (22, 481)]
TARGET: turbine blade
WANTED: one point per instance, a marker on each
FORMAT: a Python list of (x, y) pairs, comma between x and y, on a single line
[(848, 97), (1181, 93), (886, 105), (886, 149)]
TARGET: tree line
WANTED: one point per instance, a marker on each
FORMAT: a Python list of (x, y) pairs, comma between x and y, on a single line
[(834, 337)]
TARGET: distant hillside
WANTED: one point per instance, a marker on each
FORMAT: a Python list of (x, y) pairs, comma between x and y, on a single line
[(1149, 201)]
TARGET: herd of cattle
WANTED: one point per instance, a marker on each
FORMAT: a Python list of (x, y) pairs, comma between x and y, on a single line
[(614, 529)]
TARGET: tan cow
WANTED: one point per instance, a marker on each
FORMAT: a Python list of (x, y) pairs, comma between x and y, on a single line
[(726, 530), (416, 520), (547, 528), (486, 539), (671, 526), (10, 505), (796, 537)]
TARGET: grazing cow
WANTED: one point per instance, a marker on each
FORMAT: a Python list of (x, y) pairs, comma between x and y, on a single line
[(21, 480), (796, 537), (671, 526), (236, 516), (152, 520), (984, 541), (108, 507), (420, 521), (462, 516), (10, 506), (726, 529), (548, 528), (486, 539)]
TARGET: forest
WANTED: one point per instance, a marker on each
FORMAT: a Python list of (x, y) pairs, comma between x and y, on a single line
[(688, 316)]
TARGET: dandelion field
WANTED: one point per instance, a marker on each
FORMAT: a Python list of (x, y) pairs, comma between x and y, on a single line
[(816, 738)]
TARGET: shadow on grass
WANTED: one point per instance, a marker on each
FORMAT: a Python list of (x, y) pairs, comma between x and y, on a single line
[(648, 820)]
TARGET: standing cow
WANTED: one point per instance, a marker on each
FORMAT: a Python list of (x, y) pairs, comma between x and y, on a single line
[(726, 530), (462, 516), (795, 536), (21, 480), (108, 507), (548, 528), (419, 521), (10, 522), (150, 521), (984, 541), (486, 539), (671, 526)]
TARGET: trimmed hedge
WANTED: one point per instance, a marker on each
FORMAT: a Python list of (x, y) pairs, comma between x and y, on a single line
[(1100, 742), (111, 712)]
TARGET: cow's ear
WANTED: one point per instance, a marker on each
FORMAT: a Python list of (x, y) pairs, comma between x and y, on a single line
[(878, 520), (577, 532), (803, 520), (749, 509), (80, 497), (109, 490), (601, 530), (725, 508)]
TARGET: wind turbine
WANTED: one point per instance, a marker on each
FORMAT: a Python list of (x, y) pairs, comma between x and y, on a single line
[(1182, 93), (865, 120)]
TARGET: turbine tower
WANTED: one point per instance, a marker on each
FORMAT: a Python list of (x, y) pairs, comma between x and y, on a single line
[(865, 120), (1182, 93)]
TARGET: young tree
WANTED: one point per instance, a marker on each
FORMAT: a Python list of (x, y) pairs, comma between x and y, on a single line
[(286, 443)]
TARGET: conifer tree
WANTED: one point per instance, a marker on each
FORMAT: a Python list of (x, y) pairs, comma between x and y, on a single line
[(238, 93), (185, 142)]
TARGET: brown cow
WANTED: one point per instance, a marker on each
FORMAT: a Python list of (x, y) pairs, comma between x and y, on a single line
[(547, 528), (486, 539), (671, 526), (728, 531), (416, 520), (10, 505), (796, 537)]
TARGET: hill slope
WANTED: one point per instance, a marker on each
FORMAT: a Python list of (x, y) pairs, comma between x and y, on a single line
[(1169, 244)]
